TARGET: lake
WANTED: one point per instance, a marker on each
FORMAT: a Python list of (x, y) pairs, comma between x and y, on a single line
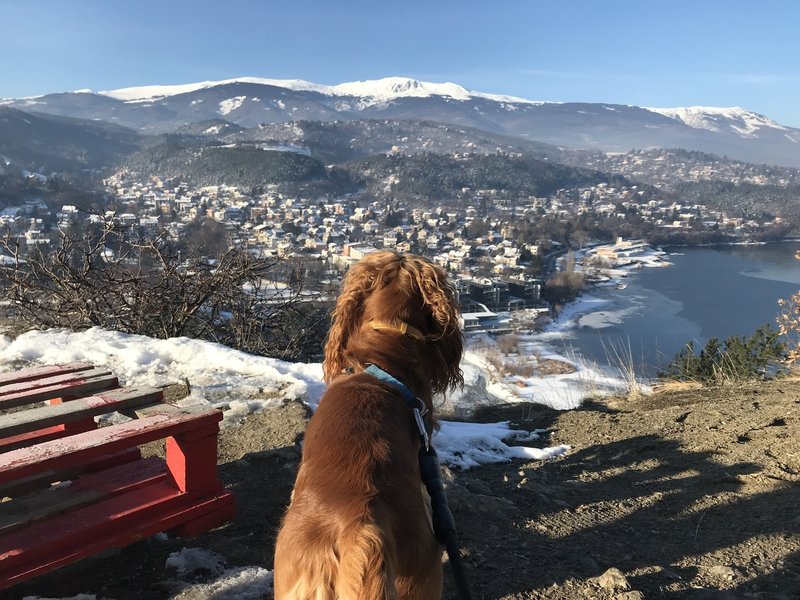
[(708, 292)]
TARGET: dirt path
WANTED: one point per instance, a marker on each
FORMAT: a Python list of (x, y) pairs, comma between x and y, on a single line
[(687, 494)]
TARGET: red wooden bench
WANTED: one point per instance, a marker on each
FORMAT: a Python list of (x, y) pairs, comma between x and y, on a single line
[(70, 489)]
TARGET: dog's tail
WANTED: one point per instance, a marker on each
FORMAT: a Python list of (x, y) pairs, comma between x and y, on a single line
[(364, 568)]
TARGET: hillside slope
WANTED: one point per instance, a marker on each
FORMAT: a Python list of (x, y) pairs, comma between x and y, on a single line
[(689, 494), (44, 142)]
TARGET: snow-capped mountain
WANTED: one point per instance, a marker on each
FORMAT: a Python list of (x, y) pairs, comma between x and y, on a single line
[(739, 120), (250, 101), (374, 91)]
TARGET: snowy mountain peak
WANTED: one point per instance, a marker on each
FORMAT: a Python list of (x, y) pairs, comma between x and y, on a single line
[(389, 88), (373, 91), (710, 118)]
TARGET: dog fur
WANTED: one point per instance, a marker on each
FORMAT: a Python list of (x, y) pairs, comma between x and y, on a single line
[(358, 526)]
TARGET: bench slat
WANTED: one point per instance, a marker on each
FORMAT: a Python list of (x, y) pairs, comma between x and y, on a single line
[(24, 510), (75, 410), (131, 525), (77, 384), (23, 440), (65, 379), (43, 480), (74, 450), (40, 372), (103, 518)]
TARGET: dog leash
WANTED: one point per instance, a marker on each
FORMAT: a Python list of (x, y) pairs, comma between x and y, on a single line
[(444, 525)]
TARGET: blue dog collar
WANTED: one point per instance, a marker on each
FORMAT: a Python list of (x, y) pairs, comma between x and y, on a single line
[(414, 403)]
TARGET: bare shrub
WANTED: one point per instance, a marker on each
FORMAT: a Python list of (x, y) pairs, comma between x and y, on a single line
[(495, 359), (789, 323), (522, 369), (99, 277), (565, 285), (508, 344)]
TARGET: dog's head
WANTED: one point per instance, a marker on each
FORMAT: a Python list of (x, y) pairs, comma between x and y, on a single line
[(386, 288)]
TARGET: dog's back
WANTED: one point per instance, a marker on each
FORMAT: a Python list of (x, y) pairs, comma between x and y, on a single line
[(357, 527)]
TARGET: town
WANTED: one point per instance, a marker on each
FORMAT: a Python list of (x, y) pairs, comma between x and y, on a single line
[(500, 248)]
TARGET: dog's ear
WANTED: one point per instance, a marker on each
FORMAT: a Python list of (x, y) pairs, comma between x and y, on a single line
[(439, 295), (346, 318)]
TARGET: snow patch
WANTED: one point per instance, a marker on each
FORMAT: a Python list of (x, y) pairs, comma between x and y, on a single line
[(188, 560), (467, 445), (242, 583), (239, 582), (231, 104)]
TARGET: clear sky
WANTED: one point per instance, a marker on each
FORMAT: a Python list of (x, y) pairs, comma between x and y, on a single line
[(662, 53)]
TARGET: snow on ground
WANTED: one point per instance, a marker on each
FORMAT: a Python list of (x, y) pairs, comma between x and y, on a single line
[(243, 583), (474, 444), (235, 382), (239, 383)]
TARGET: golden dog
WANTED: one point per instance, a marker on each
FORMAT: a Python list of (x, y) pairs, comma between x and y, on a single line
[(358, 524)]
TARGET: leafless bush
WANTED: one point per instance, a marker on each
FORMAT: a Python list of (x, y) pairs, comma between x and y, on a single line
[(789, 323), (503, 365), (149, 287), (508, 344)]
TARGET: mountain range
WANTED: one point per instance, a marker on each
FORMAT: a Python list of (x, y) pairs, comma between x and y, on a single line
[(229, 106)]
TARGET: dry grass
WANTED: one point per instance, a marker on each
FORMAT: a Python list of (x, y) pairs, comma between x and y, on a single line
[(620, 356), (668, 385), (551, 366)]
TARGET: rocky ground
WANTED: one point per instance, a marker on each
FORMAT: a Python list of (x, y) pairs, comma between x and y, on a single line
[(680, 494)]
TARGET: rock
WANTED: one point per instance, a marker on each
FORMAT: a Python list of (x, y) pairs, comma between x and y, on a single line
[(670, 573), (176, 391), (633, 595), (481, 503), (722, 572), (612, 579), (476, 486)]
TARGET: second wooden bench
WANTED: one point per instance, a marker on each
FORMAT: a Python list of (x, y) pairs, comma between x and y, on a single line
[(69, 489)]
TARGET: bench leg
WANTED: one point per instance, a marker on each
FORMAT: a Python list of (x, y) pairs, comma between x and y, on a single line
[(192, 460)]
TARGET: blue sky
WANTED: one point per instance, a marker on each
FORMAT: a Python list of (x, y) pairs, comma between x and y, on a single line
[(643, 52)]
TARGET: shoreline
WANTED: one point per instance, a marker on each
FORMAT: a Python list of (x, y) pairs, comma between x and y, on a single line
[(564, 391), (727, 244)]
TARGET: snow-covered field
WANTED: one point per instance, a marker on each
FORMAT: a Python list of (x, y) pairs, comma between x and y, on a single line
[(239, 383)]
